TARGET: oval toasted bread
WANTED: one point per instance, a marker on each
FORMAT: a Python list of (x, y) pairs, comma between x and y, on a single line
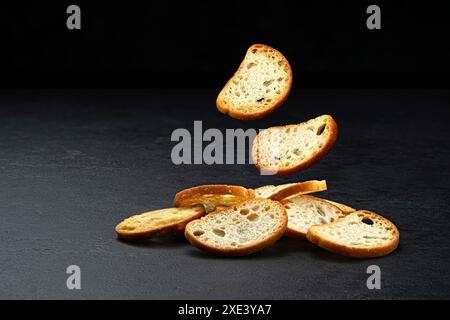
[(360, 234), (239, 230), (287, 149), (157, 222), (211, 196), (260, 85), (284, 191)]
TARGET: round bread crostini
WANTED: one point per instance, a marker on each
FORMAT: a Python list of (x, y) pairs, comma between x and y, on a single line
[(211, 196), (239, 230), (259, 87), (157, 222), (360, 234), (284, 150), (283, 191)]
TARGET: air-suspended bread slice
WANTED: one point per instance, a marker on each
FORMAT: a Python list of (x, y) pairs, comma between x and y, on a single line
[(157, 222), (361, 234), (260, 85), (306, 211), (282, 191), (211, 196), (287, 149), (239, 230)]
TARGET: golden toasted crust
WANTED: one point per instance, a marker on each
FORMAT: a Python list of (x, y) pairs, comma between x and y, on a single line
[(243, 250), (357, 252), (296, 234), (211, 196), (176, 227), (219, 189), (333, 128), (297, 189), (261, 114)]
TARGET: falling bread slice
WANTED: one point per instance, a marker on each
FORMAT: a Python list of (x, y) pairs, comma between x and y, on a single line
[(288, 149), (211, 196), (306, 211), (361, 234), (260, 85), (283, 191), (157, 222), (239, 230)]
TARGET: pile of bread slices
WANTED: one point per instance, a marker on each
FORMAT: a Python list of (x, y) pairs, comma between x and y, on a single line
[(234, 220)]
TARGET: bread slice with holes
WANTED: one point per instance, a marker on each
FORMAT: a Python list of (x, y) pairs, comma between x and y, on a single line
[(211, 196), (157, 222), (344, 208), (283, 191), (361, 234), (260, 85), (239, 230), (288, 149), (306, 211)]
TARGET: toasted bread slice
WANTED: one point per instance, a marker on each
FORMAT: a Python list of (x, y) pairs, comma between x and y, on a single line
[(239, 230), (344, 208), (157, 222), (211, 196), (288, 149), (260, 85), (283, 191), (361, 234), (306, 211)]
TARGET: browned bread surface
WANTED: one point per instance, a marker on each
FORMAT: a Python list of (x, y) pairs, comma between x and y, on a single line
[(361, 234), (211, 196), (260, 85), (287, 149), (239, 230), (157, 222), (282, 191)]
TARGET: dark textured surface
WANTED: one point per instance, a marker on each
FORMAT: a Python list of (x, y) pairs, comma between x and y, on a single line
[(73, 164)]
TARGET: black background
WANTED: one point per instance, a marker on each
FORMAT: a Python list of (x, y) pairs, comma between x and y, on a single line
[(199, 44), (75, 162)]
